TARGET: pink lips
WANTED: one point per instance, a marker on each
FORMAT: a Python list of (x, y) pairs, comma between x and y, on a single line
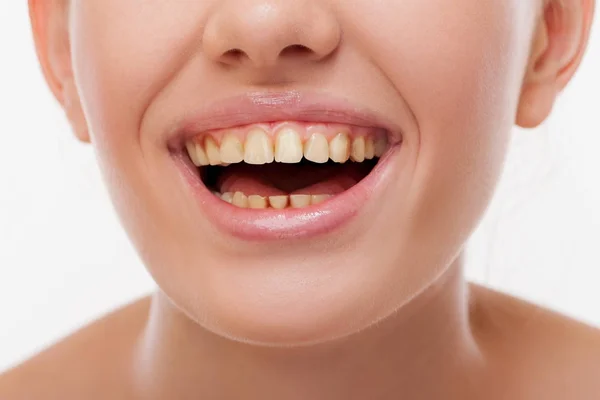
[(260, 107), (272, 224)]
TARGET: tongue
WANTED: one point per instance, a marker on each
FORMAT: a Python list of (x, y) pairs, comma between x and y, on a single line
[(283, 179)]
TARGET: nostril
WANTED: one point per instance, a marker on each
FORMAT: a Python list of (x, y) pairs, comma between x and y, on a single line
[(233, 55), (295, 50)]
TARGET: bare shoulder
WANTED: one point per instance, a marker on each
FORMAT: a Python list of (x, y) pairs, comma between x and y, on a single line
[(90, 363), (556, 356)]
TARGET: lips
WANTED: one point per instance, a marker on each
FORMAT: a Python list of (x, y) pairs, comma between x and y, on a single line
[(282, 168)]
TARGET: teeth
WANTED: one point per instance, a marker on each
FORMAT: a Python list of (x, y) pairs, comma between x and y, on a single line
[(212, 151), (228, 197), (316, 149), (358, 150), (369, 148), (231, 151), (319, 198), (278, 202), (300, 200), (288, 146), (197, 154), (380, 146), (339, 148), (259, 149), (257, 202), (240, 200)]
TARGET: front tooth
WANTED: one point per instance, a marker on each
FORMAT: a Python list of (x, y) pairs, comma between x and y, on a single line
[(258, 149), (212, 151), (319, 198), (240, 200), (380, 146), (278, 202), (232, 150), (288, 146), (339, 148), (300, 200), (369, 148), (197, 154), (358, 149), (228, 197), (255, 201), (316, 149)]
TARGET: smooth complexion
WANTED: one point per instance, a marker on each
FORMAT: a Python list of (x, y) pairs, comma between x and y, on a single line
[(376, 307)]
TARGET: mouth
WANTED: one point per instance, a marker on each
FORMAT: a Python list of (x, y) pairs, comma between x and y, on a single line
[(283, 171), (285, 165)]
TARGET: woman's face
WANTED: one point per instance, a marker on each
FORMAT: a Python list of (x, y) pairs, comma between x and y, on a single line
[(439, 80)]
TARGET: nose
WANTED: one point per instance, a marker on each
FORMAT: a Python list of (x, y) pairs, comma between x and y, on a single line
[(263, 33)]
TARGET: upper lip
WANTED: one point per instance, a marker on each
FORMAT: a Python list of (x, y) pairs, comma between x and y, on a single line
[(258, 107)]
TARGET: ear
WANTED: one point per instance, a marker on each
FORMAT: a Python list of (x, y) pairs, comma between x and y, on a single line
[(50, 25), (559, 42)]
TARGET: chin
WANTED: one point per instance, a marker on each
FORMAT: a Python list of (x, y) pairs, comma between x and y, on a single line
[(270, 303)]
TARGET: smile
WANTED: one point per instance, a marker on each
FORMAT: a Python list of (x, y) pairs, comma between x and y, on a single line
[(285, 165), (286, 177)]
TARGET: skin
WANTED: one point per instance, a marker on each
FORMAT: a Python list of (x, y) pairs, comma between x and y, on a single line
[(393, 316)]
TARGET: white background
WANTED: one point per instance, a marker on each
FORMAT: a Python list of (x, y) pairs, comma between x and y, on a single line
[(64, 259)]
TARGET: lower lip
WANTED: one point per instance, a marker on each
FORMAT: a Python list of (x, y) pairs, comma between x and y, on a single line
[(290, 223)]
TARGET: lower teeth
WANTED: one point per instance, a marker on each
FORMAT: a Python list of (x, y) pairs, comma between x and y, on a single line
[(241, 200)]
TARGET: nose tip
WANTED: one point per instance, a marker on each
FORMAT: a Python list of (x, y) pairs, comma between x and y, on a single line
[(263, 33)]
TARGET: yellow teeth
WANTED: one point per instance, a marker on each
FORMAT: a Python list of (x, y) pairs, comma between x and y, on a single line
[(256, 201), (358, 150), (319, 198), (339, 148), (227, 197), (288, 147), (197, 154), (380, 147), (369, 149), (240, 200), (212, 151), (231, 150), (279, 202), (300, 200), (257, 147), (316, 149)]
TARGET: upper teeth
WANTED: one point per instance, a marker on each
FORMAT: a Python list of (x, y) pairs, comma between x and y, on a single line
[(256, 146)]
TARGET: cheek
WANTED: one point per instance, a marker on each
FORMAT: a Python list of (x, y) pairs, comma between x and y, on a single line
[(123, 53), (458, 66)]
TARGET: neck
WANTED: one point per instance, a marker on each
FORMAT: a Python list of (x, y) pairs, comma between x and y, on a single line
[(425, 350)]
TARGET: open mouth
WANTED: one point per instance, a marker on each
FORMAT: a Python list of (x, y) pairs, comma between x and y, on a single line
[(285, 164)]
